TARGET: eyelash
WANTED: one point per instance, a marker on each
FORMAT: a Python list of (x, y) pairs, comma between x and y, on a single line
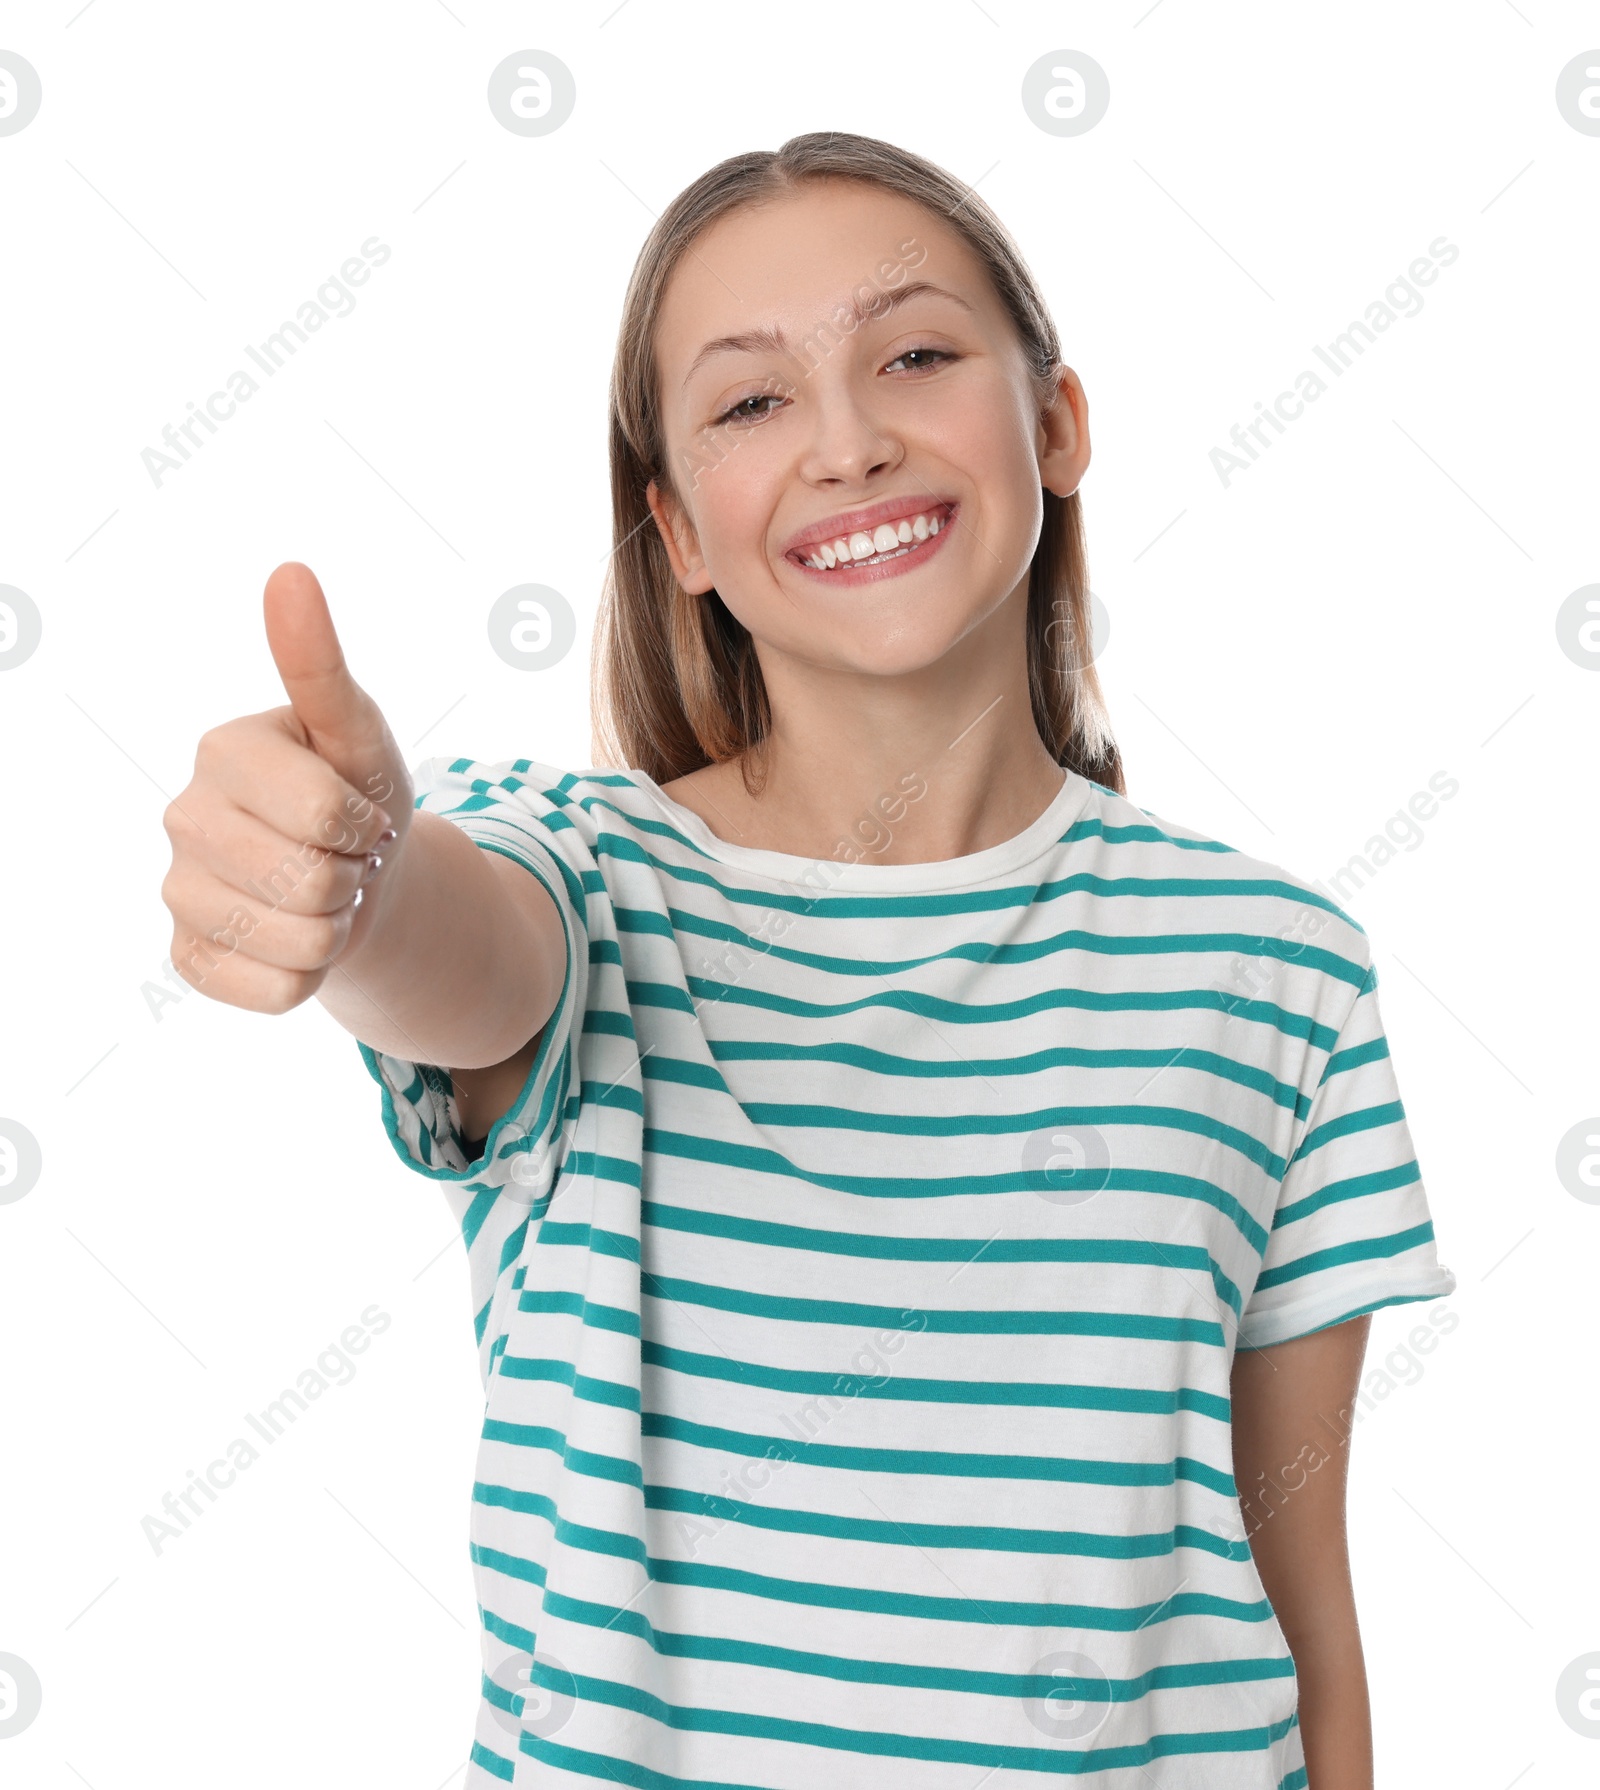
[(731, 417)]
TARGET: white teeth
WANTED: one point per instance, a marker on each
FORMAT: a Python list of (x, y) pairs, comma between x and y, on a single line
[(888, 539)]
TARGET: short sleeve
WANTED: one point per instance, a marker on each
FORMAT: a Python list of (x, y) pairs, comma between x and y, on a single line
[(1352, 1230), (520, 809)]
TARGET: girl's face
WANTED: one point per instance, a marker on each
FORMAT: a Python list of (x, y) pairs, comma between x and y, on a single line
[(833, 366)]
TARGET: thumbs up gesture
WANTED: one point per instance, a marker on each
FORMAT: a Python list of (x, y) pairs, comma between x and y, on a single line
[(281, 838)]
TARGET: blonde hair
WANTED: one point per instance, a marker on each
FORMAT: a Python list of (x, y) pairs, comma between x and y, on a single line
[(676, 683)]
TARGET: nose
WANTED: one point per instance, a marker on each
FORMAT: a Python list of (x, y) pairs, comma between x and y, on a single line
[(848, 445)]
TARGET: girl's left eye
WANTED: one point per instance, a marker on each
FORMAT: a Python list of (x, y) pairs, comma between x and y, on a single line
[(936, 354)]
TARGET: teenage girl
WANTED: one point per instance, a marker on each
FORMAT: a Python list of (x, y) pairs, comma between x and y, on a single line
[(922, 1208)]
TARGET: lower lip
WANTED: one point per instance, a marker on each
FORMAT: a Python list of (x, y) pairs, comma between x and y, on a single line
[(919, 555)]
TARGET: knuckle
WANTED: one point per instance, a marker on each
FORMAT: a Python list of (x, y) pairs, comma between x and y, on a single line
[(209, 749), (285, 883), (337, 828), (322, 938), (319, 887), (316, 805), (288, 989), (178, 953), (198, 963)]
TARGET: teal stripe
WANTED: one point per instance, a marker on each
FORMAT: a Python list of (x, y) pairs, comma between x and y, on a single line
[(938, 1462), (1364, 1249), (582, 1537), (1102, 1251), (1147, 1117), (512, 1565), (991, 1754), (751, 1159), (627, 850), (505, 1630), (609, 1022), (677, 922), (1353, 1187), (1369, 1118), (1053, 1395), (556, 1233), (563, 1373), (615, 1094), (768, 1232), (1137, 833), (701, 989), (576, 1460), (1356, 1056), (611, 1770), (1033, 1062), (707, 1507), (591, 1164), (577, 1305), (925, 1606), (985, 1124), (1140, 1326), (727, 1651), (1053, 1468), (504, 1769), (980, 1536)]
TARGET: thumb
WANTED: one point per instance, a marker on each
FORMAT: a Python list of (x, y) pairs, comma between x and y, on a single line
[(332, 706)]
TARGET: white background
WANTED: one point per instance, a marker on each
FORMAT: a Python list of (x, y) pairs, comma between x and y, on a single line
[(1290, 658)]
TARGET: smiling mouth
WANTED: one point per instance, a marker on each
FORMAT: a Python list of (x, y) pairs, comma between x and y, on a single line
[(907, 538)]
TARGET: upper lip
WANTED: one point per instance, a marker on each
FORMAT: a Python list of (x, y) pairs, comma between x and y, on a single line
[(849, 522)]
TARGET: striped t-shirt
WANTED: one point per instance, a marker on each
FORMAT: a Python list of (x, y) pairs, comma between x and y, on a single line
[(857, 1280)]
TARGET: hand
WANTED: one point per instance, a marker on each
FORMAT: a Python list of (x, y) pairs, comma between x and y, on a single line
[(275, 836)]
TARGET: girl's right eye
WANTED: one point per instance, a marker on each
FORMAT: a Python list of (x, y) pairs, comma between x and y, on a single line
[(737, 413)]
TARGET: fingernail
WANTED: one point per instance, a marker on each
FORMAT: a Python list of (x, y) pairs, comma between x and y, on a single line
[(374, 865), (386, 835), (357, 901)]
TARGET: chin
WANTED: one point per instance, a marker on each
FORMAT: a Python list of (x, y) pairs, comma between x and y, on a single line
[(894, 651)]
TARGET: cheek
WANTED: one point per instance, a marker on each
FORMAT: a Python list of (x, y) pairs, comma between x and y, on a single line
[(735, 501), (984, 431)]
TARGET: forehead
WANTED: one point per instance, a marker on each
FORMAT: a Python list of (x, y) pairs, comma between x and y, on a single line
[(794, 261)]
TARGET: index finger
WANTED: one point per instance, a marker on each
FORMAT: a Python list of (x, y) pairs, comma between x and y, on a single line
[(268, 773)]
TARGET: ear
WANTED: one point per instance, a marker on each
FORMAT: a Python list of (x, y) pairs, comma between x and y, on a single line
[(681, 540), (1063, 437)]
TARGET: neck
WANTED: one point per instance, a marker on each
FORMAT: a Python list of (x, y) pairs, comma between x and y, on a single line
[(877, 769)]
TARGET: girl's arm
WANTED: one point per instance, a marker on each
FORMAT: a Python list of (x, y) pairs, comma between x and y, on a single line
[(460, 966), (1292, 1411), (448, 954)]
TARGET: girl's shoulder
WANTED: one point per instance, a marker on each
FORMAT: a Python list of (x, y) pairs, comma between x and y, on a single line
[(582, 817), (1263, 895), (528, 785)]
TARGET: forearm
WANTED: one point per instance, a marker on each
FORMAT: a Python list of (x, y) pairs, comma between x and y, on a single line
[(445, 970), (1288, 1401), (1335, 1711)]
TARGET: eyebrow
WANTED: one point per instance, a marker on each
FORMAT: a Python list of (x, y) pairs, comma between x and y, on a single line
[(773, 340)]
